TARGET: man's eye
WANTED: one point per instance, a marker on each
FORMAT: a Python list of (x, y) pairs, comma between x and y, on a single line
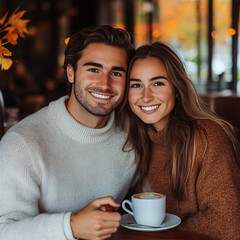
[(93, 70), (117, 74), (135, 85)]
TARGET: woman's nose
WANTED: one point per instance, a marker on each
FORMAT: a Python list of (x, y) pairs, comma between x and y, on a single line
[(147, 95)]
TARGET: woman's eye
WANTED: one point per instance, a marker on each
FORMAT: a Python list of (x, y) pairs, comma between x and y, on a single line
[(158, 84), (135, 85)]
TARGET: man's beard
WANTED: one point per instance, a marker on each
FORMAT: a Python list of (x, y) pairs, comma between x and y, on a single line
[(99, 110)]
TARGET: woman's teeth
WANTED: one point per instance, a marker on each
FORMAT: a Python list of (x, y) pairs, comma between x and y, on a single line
[(150, 108)]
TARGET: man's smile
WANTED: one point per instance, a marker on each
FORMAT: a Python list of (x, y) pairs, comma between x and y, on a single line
[(97, 95)]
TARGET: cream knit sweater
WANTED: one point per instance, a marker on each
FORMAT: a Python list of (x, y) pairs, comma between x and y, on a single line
[(52, 166)]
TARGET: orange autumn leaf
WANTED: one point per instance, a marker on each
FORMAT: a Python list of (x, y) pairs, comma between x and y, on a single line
[(15, 15), (11, 37), (10, 30), (19, 26), (5, 63), (2, 20), (4, 52)]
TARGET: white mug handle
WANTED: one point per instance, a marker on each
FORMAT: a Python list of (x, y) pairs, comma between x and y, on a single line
[(124, 207)]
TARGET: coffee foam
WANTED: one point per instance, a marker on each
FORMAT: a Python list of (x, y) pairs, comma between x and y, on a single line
[(149, 195)]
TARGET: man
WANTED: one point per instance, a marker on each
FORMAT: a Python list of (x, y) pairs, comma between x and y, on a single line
[(62, 165)]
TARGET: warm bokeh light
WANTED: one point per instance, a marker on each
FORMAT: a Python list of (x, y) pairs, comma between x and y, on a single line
[(214, 34), (172, 23), (155, 34), (120, 25), (67, 40), (231, 31)]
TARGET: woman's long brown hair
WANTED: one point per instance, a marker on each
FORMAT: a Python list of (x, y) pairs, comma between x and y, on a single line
[(182, 129)]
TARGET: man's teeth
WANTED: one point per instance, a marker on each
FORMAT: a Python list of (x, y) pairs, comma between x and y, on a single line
[(150, 108), (100, 96)]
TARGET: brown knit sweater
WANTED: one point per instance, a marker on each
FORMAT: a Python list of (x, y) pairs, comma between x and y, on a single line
[(212, 205)]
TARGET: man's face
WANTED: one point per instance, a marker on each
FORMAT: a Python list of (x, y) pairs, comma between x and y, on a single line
[(99, 81)]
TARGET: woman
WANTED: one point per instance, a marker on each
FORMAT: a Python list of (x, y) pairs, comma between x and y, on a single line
[(194, 153)]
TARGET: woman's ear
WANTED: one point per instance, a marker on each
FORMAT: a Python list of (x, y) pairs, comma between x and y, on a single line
[(70, 73)]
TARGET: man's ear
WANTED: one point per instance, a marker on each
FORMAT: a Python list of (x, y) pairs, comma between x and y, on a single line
[(70, 73)]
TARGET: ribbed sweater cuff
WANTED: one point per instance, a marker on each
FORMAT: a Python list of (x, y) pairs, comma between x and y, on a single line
[(67, 227)]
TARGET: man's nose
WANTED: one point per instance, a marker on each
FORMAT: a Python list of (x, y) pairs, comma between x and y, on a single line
[(105, 80)]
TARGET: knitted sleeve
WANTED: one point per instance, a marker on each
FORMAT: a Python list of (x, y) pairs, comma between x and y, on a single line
[(218, 190), (20, 217)]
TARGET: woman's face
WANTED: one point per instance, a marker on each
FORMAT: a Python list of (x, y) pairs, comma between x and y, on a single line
[(151, 94)]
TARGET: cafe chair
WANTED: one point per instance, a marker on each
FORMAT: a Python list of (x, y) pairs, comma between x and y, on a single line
[(1, 116), (228, 107)]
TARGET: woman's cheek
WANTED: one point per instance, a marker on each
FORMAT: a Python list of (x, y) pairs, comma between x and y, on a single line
[(132, 99)]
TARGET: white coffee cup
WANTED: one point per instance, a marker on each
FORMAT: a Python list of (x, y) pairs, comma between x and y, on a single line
[(147, 208)]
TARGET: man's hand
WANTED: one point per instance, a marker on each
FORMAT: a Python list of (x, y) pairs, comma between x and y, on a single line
[(94, 221)]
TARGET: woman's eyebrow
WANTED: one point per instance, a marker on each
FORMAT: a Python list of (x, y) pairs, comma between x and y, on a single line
[(134, 79), (158, 77), (151, 79)]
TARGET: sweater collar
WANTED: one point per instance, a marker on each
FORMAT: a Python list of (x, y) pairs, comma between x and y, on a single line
[(66, 123), (156, 137)]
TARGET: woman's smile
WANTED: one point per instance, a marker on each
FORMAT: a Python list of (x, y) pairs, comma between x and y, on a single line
[(150, 109)]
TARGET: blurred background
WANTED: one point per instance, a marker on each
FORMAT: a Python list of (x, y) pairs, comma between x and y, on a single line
[(205, 34)]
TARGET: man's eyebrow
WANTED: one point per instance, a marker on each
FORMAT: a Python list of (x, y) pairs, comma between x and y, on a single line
[(118, 69), (94, 64)]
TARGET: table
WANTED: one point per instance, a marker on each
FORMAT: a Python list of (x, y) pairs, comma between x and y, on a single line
[(173, 234)]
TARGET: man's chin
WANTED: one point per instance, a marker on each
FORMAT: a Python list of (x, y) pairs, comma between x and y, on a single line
[(101, 113)]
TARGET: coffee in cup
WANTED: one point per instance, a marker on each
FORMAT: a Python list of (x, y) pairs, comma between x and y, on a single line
[(148, 195), (147, 208)]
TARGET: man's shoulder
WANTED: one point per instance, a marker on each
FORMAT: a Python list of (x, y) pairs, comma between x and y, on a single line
[(31, 120), (36, 122)]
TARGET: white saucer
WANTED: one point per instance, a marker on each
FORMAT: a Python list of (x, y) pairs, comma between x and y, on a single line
[(170, 221)]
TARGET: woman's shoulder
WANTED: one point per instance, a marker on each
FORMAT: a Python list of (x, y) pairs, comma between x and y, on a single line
[(215, 136), (211, 128), (207, 123)]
